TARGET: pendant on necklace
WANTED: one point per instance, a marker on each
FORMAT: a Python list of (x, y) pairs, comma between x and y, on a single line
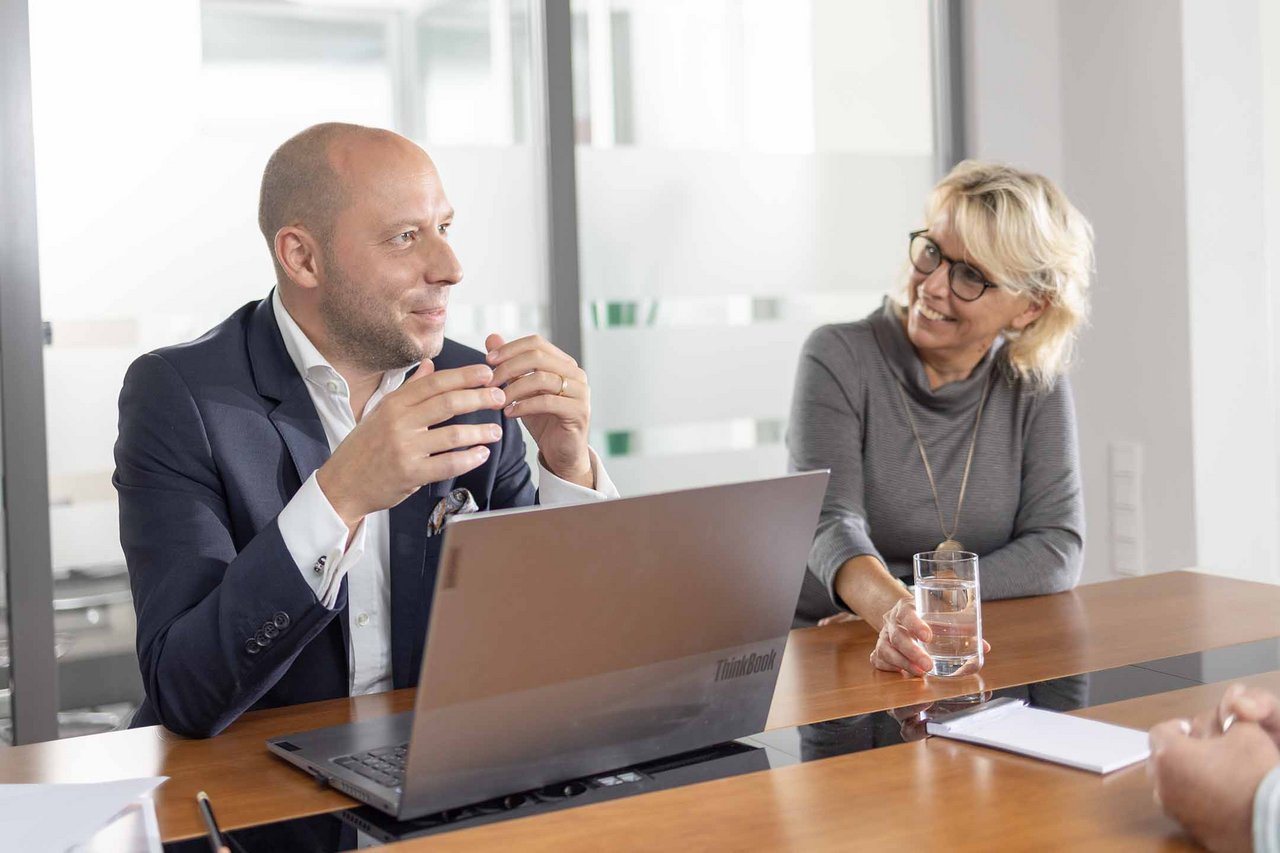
[(949, 545)]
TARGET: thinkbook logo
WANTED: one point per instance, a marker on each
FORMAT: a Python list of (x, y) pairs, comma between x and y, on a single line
[(745, 665)]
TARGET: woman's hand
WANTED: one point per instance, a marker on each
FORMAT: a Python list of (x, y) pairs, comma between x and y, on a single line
[(898, 648)]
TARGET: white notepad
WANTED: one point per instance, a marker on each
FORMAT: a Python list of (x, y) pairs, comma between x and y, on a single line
[(1076, 742)]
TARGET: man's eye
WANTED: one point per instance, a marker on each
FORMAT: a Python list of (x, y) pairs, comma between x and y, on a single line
[(405, 237), (443, 228)]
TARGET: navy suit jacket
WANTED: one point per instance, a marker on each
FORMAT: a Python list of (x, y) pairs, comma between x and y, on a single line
[(216, 436)]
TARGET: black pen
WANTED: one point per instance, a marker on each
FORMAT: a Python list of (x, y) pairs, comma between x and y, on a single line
[(210, 822)]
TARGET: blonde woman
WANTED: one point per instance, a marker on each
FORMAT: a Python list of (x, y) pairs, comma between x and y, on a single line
[(967, 370)]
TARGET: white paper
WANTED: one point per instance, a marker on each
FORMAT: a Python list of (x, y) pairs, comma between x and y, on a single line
[(134, 830), (1050, 736), (57, 818)]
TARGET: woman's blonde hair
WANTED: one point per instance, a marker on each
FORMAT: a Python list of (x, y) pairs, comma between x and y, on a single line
[(1024, 233)]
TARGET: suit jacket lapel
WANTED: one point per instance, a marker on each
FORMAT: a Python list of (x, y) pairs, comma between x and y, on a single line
[(277, 379), (294, 417), (299, 425)]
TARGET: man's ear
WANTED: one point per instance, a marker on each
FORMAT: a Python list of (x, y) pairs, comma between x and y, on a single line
[(298, 254), (1029, 315)]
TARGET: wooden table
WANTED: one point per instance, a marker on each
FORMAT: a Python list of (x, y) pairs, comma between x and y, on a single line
[(885, 799), (825, 672), (825, 675)]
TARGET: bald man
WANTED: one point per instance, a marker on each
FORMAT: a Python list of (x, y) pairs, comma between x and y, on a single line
[(282, 479)]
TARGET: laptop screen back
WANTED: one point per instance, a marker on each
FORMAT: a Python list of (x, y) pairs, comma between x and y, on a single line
[(566, 641)]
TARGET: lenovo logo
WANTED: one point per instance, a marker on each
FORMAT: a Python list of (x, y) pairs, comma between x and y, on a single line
[(745, 665)]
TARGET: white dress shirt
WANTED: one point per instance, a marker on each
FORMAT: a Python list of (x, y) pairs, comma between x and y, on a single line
[(1266, 814), (316, 536)]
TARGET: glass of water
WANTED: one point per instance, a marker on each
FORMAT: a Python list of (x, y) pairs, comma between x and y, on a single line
[(947, 599)]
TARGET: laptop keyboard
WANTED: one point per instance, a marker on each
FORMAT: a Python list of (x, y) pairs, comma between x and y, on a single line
[(384, 766)]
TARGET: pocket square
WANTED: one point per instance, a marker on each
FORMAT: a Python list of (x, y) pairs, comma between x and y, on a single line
[(457, 502)]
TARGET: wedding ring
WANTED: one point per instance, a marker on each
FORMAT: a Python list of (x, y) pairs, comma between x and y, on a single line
[(564, 386)]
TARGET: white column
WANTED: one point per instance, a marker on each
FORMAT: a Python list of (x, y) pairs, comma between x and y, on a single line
[(1234, 417)]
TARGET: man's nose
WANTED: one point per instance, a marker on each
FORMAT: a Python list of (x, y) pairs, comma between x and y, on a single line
[(442, 267)]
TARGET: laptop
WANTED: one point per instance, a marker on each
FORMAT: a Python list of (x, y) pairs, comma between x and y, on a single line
[(570, 640)]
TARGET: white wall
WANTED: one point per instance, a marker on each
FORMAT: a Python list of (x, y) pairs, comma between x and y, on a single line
[(1269, 31), (1089, 92), (1161, 120), (1013, 83), (1230, 296)]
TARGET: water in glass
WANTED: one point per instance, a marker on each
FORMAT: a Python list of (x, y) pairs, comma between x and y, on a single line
[(948, 600), (949, 607)]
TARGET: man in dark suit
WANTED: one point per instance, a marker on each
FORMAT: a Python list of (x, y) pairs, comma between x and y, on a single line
[(282, 479)]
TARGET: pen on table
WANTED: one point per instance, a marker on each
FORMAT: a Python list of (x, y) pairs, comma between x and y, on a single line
[(210, 823)]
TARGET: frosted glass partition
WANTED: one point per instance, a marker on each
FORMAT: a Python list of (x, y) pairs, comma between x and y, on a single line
[(747, 171), (660, 223), (150, 145)]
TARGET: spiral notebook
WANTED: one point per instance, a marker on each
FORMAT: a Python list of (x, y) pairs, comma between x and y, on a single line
[(1010, 725)]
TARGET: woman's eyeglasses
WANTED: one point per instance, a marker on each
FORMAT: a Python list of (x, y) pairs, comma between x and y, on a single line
[(965, 280)]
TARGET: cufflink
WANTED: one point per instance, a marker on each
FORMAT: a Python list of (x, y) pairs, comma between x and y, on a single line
[(457, 502), (318, 568)]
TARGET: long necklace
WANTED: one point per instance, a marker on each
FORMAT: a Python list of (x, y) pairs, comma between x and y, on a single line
[(949, 543)]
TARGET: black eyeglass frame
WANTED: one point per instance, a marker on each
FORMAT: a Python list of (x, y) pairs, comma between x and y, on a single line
[(952, 264)]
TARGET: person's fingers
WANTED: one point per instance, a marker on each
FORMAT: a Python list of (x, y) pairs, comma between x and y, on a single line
[(1205, 724), (565, 408), (457, 436), (887, 658), (1170, 732), (423, 386), (900, 637), (500, 351), (1250, 705), (986, 647), (442, 407), (494, 342), (445, 466), (903, 650), (541, 382), (546, 360), (910, 620)]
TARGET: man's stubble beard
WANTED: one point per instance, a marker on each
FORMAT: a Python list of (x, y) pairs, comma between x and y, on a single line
[(364, 330)]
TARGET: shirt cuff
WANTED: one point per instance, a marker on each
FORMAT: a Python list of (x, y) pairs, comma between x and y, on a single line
[(1266, 813), (553, 490), (316, 537)]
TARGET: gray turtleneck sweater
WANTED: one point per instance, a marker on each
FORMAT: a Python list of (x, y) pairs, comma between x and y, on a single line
[(1023, 514)]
